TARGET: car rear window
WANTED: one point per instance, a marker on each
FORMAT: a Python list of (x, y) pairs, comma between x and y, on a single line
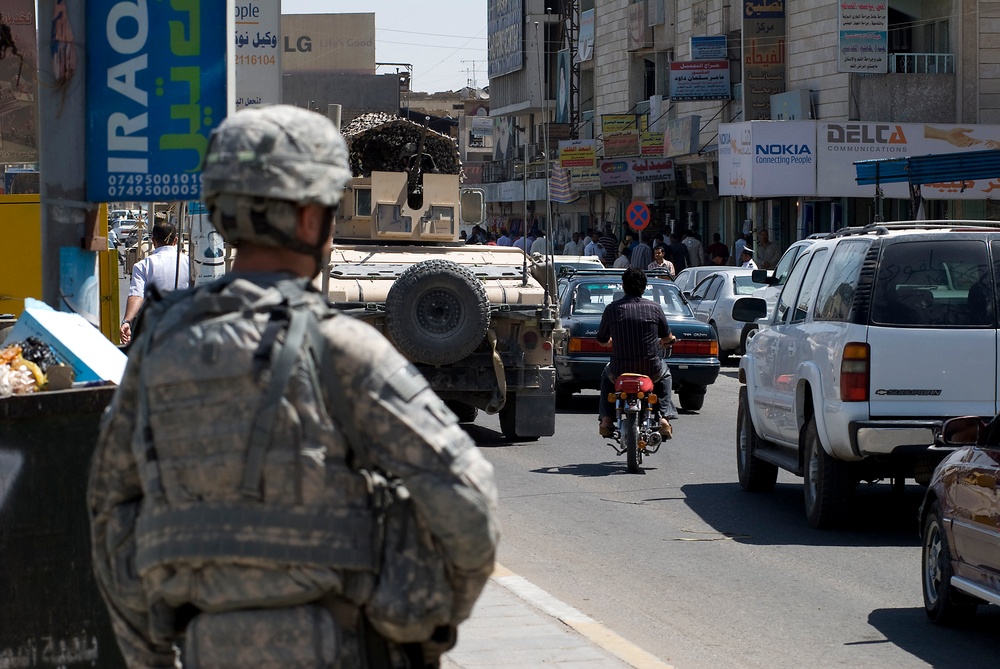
[(939, 283), (592, 298)]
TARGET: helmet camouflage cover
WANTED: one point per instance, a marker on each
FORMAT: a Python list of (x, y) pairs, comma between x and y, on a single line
[(262, 163)]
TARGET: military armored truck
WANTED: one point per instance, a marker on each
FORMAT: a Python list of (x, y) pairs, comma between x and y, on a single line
[(478, 321)]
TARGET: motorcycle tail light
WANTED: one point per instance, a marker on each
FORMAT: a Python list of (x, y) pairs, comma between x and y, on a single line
[(640, 395), (653, 399), (854, 368), (612, 397)]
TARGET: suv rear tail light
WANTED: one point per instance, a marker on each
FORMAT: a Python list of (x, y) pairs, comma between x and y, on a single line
[(696, 347), (854, 368)]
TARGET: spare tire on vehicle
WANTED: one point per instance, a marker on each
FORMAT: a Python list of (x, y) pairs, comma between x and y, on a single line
[(437, 312)]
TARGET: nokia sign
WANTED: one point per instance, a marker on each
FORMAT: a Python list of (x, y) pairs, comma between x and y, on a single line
[(783, 154)]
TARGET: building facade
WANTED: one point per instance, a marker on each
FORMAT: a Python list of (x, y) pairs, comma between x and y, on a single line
[(734, 117)]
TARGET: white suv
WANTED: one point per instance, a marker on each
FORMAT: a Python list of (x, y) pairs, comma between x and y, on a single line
[(879, 334)]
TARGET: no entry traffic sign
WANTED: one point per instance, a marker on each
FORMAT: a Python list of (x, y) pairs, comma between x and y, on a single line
[(637, 215)]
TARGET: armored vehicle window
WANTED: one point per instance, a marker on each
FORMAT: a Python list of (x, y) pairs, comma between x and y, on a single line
[(391, 219), (442, 221), (362, 201), (836, 293), (934, 283)]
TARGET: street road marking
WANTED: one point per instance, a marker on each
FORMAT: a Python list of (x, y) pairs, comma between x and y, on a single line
[(582, 623)]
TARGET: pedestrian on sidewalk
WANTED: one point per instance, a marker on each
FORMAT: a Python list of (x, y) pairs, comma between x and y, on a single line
[(164, 269)]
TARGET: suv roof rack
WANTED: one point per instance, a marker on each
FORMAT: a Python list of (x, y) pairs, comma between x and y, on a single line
[(884, 228)]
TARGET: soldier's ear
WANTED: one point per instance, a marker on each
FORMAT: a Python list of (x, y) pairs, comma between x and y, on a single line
[(311, 224)]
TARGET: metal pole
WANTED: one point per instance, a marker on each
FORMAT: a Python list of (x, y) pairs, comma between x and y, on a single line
[(62, 129)]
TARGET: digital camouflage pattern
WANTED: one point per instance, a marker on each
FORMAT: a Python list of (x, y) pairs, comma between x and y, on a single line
[(201, 407)]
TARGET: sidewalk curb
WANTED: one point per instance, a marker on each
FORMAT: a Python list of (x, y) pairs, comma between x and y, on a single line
[(583, 624)]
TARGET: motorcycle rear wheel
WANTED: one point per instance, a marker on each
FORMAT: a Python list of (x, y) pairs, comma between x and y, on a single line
[(631, 437)]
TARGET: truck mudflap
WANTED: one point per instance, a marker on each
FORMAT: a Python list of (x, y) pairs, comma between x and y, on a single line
[(530, 412)]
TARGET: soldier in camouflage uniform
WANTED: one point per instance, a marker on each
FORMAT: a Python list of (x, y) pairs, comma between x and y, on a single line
[(240, 550)]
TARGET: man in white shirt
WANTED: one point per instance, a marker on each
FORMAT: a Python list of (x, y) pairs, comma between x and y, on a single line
[(573, 247), (504, 239), (696, 252), (746, 257), (163, 269), (540, 245)]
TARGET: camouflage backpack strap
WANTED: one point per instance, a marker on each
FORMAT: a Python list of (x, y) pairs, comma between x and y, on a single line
[(282, 365), (201, 302)]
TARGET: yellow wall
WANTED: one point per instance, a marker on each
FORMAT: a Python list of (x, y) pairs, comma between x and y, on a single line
[(20, 251), (21, 260)]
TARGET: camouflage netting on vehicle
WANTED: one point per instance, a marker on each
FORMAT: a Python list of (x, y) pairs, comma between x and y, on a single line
[(378, 143)]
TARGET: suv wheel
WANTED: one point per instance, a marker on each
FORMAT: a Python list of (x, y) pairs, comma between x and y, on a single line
[(466, 413), (827, 482), (755, 475), (944, 606)]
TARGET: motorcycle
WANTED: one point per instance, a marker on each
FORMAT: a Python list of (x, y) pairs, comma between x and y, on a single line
[(637, 423)]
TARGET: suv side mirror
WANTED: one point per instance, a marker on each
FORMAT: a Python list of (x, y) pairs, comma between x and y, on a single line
[(749, 309), (763, 276)]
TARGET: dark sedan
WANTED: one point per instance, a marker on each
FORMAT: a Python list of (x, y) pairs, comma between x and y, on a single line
[(580, 360), (960, 523)]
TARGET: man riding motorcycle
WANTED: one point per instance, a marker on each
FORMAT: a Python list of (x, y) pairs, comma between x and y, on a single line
[(639, 330)]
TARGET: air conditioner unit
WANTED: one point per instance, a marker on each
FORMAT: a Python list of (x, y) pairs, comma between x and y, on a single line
[(791, 106)]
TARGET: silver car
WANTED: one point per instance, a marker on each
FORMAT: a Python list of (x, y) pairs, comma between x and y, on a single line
[(714, 300)]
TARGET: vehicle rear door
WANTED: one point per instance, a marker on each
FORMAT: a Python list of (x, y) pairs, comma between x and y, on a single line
[(932, 328)]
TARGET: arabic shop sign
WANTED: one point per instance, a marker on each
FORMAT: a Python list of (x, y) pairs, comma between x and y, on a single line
[(505, 24), (578, 153), (625, 171), (763, 57), (708, 47), (258, 58), (681, 136), (864, 37), (156, 87), (700, 80)]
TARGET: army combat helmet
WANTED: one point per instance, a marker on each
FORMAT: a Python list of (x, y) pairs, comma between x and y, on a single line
[(262, 164)]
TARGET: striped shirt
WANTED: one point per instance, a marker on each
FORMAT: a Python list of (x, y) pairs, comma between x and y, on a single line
[(635, 327)]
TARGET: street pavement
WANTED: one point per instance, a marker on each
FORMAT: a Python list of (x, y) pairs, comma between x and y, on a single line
[(516, 624)]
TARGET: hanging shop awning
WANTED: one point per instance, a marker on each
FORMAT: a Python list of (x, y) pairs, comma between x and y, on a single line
[(932, 169)]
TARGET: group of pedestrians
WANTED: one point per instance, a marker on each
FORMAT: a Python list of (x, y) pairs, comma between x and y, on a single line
[(674, 252)]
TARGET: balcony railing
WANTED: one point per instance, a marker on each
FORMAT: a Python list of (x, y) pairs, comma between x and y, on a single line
[(921, 63)]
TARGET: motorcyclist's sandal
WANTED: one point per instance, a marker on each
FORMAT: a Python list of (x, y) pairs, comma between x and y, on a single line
[(604, 430), (666, 429)]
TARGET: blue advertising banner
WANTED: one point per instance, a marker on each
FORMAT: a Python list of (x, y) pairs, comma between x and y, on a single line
[(156, 87)]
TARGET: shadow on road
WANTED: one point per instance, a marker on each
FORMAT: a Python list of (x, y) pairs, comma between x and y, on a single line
[(971, 646), (589, 469), (877, 517)]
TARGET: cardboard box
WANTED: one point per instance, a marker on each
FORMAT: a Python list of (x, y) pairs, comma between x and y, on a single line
[(75, 341)]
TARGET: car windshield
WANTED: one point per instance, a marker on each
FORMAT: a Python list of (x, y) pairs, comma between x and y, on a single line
[(593, 297)]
